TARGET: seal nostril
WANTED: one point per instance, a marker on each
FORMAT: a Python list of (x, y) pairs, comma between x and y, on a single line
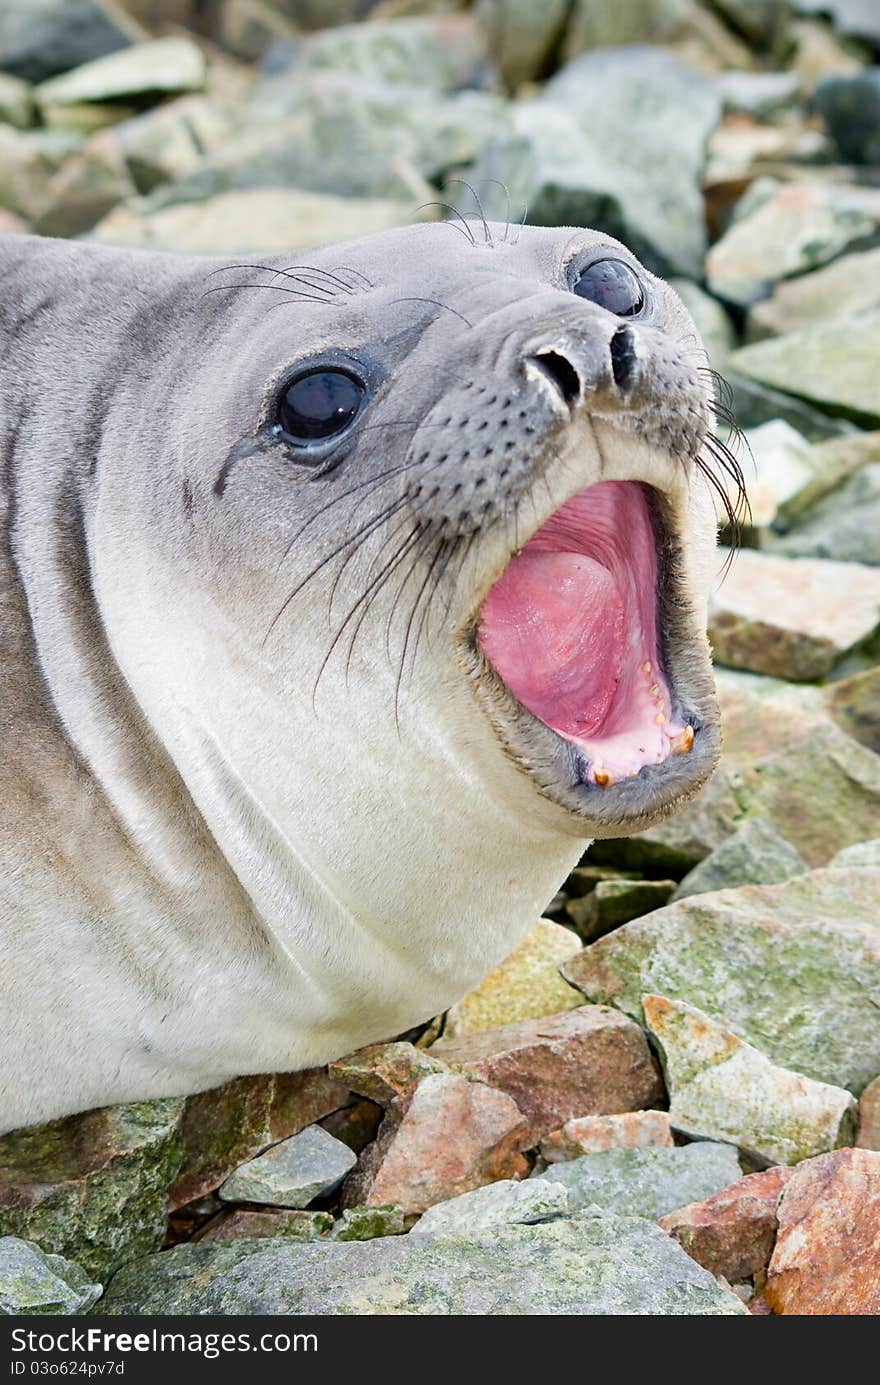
[(623, 356), (560, 372)]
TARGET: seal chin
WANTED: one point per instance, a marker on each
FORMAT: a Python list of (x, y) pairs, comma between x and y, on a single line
[(596, 681)]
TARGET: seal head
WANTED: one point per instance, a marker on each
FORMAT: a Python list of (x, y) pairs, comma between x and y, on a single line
[(345, 600)]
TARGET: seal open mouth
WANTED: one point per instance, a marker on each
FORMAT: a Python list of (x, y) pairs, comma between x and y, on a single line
[(571, 629)]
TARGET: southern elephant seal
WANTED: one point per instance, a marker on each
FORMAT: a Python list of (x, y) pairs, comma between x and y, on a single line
[(343, 601)]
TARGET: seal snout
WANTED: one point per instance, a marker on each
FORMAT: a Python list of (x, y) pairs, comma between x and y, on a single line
[(560, 373)]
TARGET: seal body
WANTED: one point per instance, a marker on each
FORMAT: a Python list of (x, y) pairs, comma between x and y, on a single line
[(268, 795)]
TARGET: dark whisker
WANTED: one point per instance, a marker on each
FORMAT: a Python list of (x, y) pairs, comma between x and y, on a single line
[(464, 229), (437, 304), (482, 215)]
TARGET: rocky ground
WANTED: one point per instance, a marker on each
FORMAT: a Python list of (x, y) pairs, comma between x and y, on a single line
[(668, 1099)]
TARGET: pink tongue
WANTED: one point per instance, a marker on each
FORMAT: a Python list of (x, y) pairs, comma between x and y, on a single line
[(571, 628), (554, 633)]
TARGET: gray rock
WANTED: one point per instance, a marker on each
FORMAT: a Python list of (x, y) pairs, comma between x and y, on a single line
[(713, 323), (844, 289), (249, 221), (504, 1203), (590, 1265), (721, 1088), (614, 902), (165, 64), (761, 21), (794, 969), (792, 617), (346, 137), (785, 229), (778, 467), (292, 1173), (845, 526), (758, 93), (835, 364), (41, 37), (851, 110), (756, 854), (854, 18), (859, 854), (754, 404), (647, 1182), (571, 158), (435, 52), (33, 1282)]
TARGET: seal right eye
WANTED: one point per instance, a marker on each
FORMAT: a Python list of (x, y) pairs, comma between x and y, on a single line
[(319, 404)]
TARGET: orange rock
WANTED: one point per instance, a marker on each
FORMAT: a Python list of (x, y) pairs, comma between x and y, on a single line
[(827, 1256), (732, 1232), (587, 1134), (869, 1116), (589, 1061), (446, 1137)]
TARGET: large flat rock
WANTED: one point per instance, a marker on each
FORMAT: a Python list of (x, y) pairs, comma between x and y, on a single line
[(794, 969), (588, 1265)]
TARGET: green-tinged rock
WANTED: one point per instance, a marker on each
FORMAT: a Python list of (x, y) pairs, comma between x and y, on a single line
[(264, 220), (522, 37), (41, 37), (170, 64), (845, 526), (762, 22), (834, 364), (16, 102), (792, 618), (799, 226), (86, 117), (756, 854), (721, 1088), (571, 159), (292, 1173), (854, 703), (525, 986), (382, 1072), (614, 902), (794, 969), (784, 759), (433, 52), (87, 185), (589, 1265), (29, 162), (505, 1203), (685, 26), (33, 1282), (859, 854), (840, 291), (92, 1187), (234, 1223), (367, 1223), (646, 1182), (247, 28)]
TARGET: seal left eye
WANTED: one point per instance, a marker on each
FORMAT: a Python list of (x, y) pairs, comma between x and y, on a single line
[(613, 285), (319, 404)]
